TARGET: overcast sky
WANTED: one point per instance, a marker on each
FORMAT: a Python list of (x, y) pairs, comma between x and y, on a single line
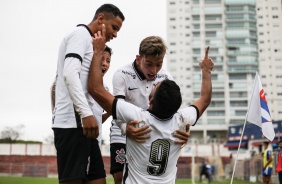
[(30, 34)]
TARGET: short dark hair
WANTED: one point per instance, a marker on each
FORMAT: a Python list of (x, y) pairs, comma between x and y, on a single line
[(266, 143), (109, 50), (167, 99), (109, 10)]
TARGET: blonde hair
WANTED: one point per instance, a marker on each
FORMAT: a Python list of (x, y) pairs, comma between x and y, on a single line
[(152, 46)]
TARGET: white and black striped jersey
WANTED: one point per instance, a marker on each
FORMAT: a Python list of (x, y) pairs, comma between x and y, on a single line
[(132, 86), (73, 101), (155, 160)]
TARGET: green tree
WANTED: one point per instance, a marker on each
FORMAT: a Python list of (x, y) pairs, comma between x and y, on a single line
[(11, 134)]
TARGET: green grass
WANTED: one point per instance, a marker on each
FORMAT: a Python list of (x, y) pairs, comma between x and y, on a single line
[(35, 180)]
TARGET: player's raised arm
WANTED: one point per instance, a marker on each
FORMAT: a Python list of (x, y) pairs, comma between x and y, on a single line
[(95, 79), (206, 89)]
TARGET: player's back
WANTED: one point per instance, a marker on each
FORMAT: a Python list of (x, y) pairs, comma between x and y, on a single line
[(155, 160)]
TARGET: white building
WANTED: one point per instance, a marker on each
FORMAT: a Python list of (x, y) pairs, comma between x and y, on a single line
[(241, 43)]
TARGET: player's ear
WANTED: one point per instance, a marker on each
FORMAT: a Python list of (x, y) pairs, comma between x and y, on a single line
[(101, 18), (138, 58)]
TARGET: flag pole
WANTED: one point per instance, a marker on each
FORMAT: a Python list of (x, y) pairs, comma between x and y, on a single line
[(234, 167)]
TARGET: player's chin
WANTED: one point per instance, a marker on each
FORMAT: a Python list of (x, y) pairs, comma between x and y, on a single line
[(150, 77)]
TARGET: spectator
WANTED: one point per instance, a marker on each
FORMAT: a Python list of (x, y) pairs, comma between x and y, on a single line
[(206, 170), (267, 164)]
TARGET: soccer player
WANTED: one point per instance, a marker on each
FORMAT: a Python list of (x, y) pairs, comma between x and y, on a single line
[(99, 115), (153, 161), (133, 83), (74, 125)]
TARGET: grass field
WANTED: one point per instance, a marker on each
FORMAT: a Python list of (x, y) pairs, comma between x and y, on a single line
[(34, 180)]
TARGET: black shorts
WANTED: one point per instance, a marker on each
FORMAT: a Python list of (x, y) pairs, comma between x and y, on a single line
[(118, 159), (78, 157)]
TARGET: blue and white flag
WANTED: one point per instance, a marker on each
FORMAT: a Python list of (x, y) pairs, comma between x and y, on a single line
[(258, 112)]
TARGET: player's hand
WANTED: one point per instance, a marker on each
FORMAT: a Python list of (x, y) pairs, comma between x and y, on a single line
[(99, 40), (182, 136), (137, 134), (90, 127), (206, 64)]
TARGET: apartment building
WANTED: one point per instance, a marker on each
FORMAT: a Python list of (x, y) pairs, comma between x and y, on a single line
[(236, 32)]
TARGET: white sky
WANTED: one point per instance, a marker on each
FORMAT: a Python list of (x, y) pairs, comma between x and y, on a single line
[(30, 34)]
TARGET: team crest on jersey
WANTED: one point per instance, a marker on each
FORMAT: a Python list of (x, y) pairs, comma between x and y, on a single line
[(120, 158)]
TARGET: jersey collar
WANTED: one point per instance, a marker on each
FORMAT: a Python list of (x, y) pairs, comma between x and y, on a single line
[(83, 25), (140, 75), (160, 119)]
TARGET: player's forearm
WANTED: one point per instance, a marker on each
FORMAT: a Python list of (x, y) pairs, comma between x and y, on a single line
[(206, 88), (95, 78), (206, 91), (95, 84)]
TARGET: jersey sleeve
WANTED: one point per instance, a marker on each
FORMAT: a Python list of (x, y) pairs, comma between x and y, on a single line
[(119, 85), (74, 86), (76, 45), (190, 115)]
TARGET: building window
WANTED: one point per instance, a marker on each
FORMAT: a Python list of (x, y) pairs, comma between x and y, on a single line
[(275, 16), (196, 17)]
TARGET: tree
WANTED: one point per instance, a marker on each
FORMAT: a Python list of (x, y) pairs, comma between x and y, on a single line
[(11, 134)]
